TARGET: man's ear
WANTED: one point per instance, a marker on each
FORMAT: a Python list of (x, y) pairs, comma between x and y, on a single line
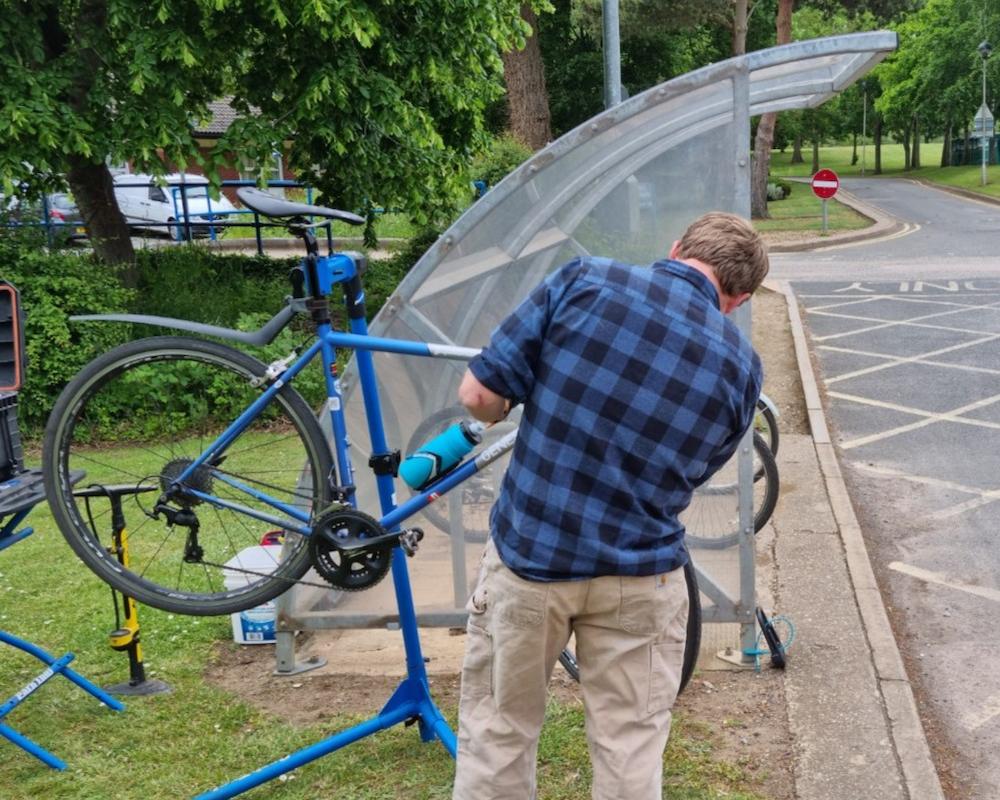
[(675, 248), (730, 303)]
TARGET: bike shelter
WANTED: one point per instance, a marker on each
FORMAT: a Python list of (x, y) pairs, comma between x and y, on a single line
[(624, 184)]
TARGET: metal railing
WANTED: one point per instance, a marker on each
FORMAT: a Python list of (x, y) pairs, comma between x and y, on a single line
[(184, 225)]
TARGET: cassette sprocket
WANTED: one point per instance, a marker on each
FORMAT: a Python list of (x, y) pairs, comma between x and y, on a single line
[(340, 555)]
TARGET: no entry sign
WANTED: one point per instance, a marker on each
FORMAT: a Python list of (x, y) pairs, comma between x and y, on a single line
[(825, 183)]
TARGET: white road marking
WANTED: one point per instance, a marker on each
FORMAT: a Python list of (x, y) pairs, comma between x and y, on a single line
[(929, 417), (896, 361), (934, 577), (981, 497), (988, 711)]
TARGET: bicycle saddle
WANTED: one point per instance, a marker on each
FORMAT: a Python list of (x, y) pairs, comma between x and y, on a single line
[(270, 206)]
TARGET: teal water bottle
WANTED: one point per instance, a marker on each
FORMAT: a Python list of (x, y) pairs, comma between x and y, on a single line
[(440, 454)]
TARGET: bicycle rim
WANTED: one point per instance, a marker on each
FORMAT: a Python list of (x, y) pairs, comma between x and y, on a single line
[(133, 419), (692, 640), (712, 518)]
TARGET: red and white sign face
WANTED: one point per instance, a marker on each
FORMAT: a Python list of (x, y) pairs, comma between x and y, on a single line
[(825, 183)]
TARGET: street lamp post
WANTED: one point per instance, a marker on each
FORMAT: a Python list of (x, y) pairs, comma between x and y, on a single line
[(864, 124), (985, 48)]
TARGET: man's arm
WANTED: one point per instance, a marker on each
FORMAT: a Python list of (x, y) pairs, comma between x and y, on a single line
[(482, 403)]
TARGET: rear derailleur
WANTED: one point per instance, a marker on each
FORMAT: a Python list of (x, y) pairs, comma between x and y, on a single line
[(351, 551)]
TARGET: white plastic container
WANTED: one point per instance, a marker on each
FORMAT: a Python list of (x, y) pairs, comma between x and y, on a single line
[(255, 625)]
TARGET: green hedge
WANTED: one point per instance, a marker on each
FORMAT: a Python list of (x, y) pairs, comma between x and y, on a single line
[(188, 282), (52, 287)]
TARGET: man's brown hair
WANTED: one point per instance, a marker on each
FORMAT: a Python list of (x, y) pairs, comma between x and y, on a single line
[(729, 244)]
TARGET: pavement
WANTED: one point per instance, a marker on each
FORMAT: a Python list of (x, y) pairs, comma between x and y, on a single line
[(851, 706)]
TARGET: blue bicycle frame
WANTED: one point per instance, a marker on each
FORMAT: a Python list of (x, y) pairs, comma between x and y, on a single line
[(412, 700)]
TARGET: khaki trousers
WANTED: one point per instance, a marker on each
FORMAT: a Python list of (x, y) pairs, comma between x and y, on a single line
[(630, 647)]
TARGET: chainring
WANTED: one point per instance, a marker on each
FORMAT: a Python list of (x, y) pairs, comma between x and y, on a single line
[(355, 569)]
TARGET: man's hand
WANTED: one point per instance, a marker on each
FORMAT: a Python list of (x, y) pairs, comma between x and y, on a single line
[(482, 403)]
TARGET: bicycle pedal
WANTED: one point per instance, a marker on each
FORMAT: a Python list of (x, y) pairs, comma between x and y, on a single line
[(410, 539)]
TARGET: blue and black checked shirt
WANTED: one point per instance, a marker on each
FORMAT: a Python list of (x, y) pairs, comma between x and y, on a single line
[(636, 389)]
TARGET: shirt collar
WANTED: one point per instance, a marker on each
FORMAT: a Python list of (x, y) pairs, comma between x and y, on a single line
[(691, 275)]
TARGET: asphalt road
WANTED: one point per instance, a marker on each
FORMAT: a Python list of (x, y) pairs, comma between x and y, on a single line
[(906, 332)]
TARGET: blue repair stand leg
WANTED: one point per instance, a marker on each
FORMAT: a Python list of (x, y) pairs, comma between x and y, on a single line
[(411, 702), (54, 666)]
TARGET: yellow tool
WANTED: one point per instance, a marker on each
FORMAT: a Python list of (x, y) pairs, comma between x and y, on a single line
[(125, 637)]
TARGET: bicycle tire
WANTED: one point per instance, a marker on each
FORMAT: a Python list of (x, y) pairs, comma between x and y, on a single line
[(477, 494), (692, 640), (712, 518), (766, 424), (163, 399)]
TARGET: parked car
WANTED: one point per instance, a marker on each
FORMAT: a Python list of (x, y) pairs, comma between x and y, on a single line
[(66, 221), (148, 205)]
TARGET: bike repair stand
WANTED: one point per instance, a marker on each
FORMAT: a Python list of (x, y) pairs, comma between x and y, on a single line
[(125, 637), (17, 497), (20, 491), (411, 702)]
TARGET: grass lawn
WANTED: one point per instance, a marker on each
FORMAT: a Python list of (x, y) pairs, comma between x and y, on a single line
[(838, 158), (803, 211), (199, 736)]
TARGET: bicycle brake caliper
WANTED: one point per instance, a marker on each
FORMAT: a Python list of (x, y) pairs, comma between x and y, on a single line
[(274, 369)]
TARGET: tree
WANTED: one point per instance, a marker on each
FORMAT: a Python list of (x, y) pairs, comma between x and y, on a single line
[(527, 97), (379, 101), (936, 74), (765, 128)]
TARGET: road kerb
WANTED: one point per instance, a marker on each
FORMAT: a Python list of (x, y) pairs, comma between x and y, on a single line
[(909, 740)]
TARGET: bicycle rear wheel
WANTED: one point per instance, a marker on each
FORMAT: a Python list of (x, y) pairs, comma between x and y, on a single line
[(692, 642), (766, 424), (712, 518), (133, 419)]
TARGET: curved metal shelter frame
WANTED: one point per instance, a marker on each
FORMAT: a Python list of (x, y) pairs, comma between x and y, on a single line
[(624, 184)]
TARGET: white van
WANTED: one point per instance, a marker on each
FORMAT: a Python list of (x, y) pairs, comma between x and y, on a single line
[(145, 203)]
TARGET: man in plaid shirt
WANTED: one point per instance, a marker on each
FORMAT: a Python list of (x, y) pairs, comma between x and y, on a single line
[(636, 389)]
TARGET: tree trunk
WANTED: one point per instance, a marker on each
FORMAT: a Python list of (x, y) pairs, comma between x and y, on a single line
[(967, 149), (739, 27), (797, 150), (815, 165), (854, 150), (527, 97), (761, 166), (915, 154), (93, 190), (907, 163), (765, 128), (877, 138), (946, 147), (90, 181)]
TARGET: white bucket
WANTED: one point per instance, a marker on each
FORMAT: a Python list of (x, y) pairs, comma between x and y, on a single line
[(255, 625)]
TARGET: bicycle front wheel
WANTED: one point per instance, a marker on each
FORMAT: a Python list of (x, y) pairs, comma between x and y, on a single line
[(712, 520), (127, 426)]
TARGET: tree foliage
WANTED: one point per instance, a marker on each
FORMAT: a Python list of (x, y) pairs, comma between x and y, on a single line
[(379, 101)]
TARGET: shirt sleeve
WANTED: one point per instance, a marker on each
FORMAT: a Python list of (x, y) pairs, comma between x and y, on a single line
[(508, 365), (747, 412)]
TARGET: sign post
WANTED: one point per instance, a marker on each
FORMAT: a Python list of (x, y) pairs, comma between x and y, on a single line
[(824, 185), (982, 126)]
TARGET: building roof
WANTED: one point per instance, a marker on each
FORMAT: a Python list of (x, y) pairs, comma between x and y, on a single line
[(222, 115)]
